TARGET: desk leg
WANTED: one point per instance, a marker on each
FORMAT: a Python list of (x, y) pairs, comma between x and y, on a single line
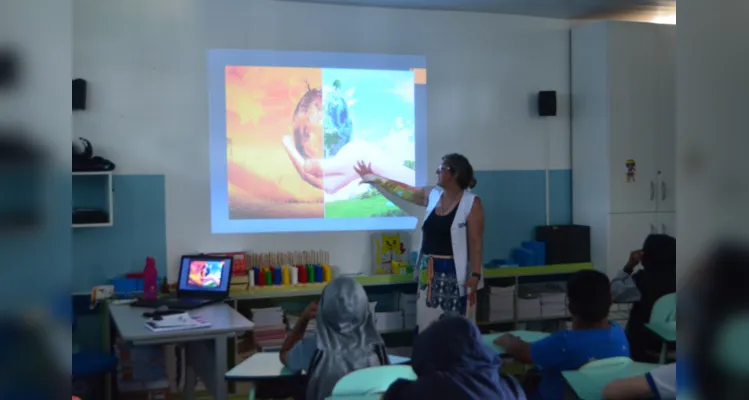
[(664, 353), (190, 381), (219, 371), (208, 361)]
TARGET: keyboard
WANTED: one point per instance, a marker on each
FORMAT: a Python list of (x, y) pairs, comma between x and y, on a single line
[(173, 303)]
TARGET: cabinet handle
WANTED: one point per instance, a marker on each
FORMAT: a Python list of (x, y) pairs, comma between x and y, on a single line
[(653, 229), (652, 190), (663, 190), (663, 229)]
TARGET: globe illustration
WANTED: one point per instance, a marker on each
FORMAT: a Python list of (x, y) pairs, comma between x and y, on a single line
[(338, 126)]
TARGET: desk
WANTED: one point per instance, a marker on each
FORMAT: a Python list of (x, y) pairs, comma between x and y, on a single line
[(667, 332), (205, 349), (265, 366), (527, 336), (589, 384), (261, 366)]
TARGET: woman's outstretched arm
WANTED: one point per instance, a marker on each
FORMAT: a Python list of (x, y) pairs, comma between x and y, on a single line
[(415, 195)]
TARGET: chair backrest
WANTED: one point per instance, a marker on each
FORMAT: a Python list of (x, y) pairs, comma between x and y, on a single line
[(606, 363), (664, 310), (372, 380)]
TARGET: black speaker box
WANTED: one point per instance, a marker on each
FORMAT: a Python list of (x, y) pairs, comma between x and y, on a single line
[(79, 94), (547, 103), (565, 244)]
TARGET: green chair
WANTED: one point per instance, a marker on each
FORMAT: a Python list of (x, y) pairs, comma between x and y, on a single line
[(372, 380), (664, 310)]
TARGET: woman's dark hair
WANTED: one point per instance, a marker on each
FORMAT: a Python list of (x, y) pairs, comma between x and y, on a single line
[(461, 167)]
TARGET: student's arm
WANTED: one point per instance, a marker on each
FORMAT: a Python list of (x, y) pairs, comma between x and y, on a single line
[(624, 289), (515, 348), (660, 383), (631, 388), (296, 335), (549, 354)]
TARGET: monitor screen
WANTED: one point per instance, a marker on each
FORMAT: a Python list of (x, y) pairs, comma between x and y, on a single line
[(205, 274)]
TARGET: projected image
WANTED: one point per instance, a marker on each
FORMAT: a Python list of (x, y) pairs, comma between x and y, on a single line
[(205, 274), (289, 136)]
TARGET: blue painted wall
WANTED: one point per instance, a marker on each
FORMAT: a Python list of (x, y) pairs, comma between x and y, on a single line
[(139, 229), (515, 204)]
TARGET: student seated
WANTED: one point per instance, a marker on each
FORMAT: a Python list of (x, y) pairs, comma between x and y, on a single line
[(346, 338), (659, 383), (452, 362), (593, 336), (644, 288)]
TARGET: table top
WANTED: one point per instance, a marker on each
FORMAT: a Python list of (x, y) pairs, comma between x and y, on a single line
[(130, 323), (527, 336), (588, 384), (665, 330), (268, 366), (357, 397)]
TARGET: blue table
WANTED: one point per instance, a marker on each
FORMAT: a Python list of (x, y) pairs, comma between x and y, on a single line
[(588, 384), (527, 336)]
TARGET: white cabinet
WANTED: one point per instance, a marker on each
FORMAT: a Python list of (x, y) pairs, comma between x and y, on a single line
[(623, 135)]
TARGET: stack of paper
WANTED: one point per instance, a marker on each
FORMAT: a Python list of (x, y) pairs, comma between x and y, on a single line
[(175, 322), (529, 307), (501, 303), (270, 330), (553, 305)]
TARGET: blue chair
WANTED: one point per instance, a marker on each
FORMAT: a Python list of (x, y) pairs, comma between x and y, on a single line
[(88, 366), (372, 380)]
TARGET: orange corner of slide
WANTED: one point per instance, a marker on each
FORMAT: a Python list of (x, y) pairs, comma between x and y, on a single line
[(420, 76)]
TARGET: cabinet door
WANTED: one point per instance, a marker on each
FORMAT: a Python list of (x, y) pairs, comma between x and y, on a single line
[(628, 233), (634, 116), (666, 145), (667, 223)]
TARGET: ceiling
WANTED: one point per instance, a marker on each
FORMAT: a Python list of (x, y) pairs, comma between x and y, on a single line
[(567, 9)]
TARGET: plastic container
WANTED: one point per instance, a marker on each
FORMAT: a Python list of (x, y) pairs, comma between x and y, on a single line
[(150, 280), (539, 251)]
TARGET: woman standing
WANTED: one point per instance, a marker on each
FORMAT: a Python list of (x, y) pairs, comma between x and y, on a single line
[(450, 264)]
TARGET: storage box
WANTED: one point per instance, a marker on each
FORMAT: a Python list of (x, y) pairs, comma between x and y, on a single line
[(389, 321)]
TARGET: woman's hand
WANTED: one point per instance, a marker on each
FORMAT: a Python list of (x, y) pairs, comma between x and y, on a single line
[(365, 171), (472, 287)]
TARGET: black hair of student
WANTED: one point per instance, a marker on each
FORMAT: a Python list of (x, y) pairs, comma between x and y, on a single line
[(721, 286), (459, 165), (589, 295)]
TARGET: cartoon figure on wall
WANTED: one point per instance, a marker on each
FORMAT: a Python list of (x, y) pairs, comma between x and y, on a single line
[(631, 170), (390, 253)]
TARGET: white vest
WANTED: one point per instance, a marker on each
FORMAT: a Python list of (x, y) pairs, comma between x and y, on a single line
[(458, 234)]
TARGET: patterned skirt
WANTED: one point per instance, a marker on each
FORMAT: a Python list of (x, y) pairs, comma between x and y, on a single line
[(439, 291)]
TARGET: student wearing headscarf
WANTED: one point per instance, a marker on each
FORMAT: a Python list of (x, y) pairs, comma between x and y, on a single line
[(346, 338), (452, 362), (644, 288)]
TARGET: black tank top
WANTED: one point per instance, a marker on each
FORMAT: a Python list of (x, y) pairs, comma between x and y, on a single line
[(436, 237)]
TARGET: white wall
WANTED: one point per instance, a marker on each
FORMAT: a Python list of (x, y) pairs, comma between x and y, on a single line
[(712, 126), (145, 62)]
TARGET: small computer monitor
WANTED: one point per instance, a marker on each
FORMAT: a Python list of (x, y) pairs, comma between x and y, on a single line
[(204, 276)]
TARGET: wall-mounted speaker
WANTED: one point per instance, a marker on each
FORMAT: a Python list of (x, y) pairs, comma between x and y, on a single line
[(79, 94), (547, 103)]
